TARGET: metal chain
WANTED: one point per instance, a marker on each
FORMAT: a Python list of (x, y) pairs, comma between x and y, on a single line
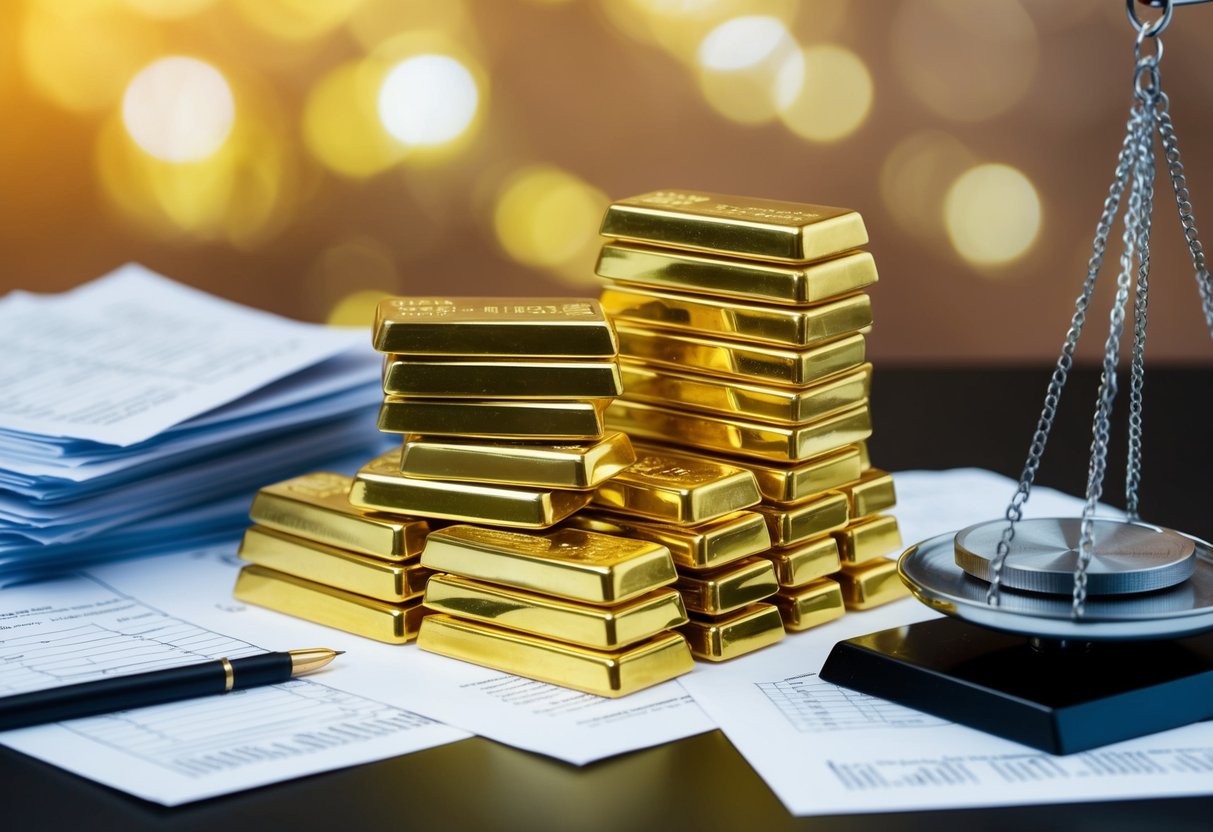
[(1143, 180)]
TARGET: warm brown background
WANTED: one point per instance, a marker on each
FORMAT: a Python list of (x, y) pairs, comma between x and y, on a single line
[(587, 87)]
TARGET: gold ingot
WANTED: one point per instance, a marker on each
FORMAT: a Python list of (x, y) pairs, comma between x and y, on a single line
[(678, 488), (865, 460), (764, 229), (737, 437), (576, 466), (870, 584), (373, 577), (871, 493), (868, 538), (316, 506), (567, 563), (798, 565), (799, 481), (810, 606), (453, 378), (703, 546), (743, 279), (357, 614), (734, 634), (601, 627), (379, 485), (521, 420), (729, 587), (736, 320), (754, 363), (502, 327), (797, 523), (603, 673), (729, 397)]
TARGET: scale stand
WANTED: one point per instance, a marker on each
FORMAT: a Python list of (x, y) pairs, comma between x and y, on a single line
[(1069, 633)]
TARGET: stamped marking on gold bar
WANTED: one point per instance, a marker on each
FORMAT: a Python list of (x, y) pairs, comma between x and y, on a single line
[(798, 565), (868, 538), (678, 488), (501, 379), (796, 523), (810, 606), (871, 584), (520, 420), (720, 638), (729, 587), (870, 493), (703, 546)]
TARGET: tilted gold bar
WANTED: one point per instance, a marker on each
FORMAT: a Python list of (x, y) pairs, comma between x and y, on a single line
[(703, 546), (792, 483), (316, 506), (797, 565), (720, 638), (729, 587), (870, 584), (865, 460), (744, 279), (797, 523), (765, 229), (867, 538), (521, 420), (366, 617), (603, 673), (791, 326), (678, 488), (729, 397), (567, 563), (493, 327), (737, 437), (373, 577), (576, 466), (755, 363), (872, 492), (381, 486), (810, 606), (600, 627), (545, 380)]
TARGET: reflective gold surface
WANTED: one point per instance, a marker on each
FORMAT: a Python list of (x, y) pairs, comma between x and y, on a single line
[(379, 485), (678, 488), (439, 378), (871, 493), (798, 565), (865, 460), (729, 587), (868, 538), (728, 636), (744, 279), (604, 673), (378, 620), (579, 465), (870, 584), (738, 320), (797, 523), (703, 546), (764, 229), (810, 606), (567, 563), (590, 626), (492, 326), (316, 506), (791, 483), (365, 575), (522, 420)]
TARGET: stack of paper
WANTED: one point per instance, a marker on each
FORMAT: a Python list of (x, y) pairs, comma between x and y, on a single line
[(137, 414)]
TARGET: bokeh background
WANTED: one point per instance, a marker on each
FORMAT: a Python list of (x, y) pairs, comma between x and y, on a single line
[(309, 156)]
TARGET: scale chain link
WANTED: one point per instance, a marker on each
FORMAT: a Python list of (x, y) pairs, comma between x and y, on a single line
[(1144, 180)]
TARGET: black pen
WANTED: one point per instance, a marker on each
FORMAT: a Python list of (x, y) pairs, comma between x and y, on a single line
[(157, 687)]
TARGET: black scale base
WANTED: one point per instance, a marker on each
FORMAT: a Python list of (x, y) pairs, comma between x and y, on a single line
[(1060, 699)]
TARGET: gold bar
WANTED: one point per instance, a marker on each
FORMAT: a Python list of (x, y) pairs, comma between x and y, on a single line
[(871, 493), (703, 546), (366, 617), (603, 673), (810, 606), (765, 229), (865, 460), (744, 279), (737, 320), (576, 466), (505, 327), (316, 506), (449, 379), (678, 488), (735, 634), (871, 584), (797, 565), (729, 587), (600, 627), (781, 483), (797, 523), (868, 538), (748, 362), (728, 397), (567, 563), (737, 437), (381, 486), (375, 578), (522, 420)]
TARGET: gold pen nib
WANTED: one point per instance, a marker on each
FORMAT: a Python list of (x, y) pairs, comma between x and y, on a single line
[(305, 661)]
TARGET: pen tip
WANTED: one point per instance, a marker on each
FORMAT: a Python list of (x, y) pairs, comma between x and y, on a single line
[(338, 652)]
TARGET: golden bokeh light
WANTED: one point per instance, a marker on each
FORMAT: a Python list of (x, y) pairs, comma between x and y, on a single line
[(356, 309), (169, 9), (375, 20), (992, 214), (178, 109), (834, 95), (680, 27), (296, 20), (428, 100), (915, 178), (750, 68), (341, 124)]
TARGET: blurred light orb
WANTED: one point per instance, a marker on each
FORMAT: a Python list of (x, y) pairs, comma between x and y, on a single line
[(742, 42), (831, 99), (178, 109), (169, 9), (750, 68), (341, 125), (992, 214), (915, 177), (428, 100)]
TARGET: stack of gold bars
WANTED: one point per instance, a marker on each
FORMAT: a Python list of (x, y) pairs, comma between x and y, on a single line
[(741, 327)]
